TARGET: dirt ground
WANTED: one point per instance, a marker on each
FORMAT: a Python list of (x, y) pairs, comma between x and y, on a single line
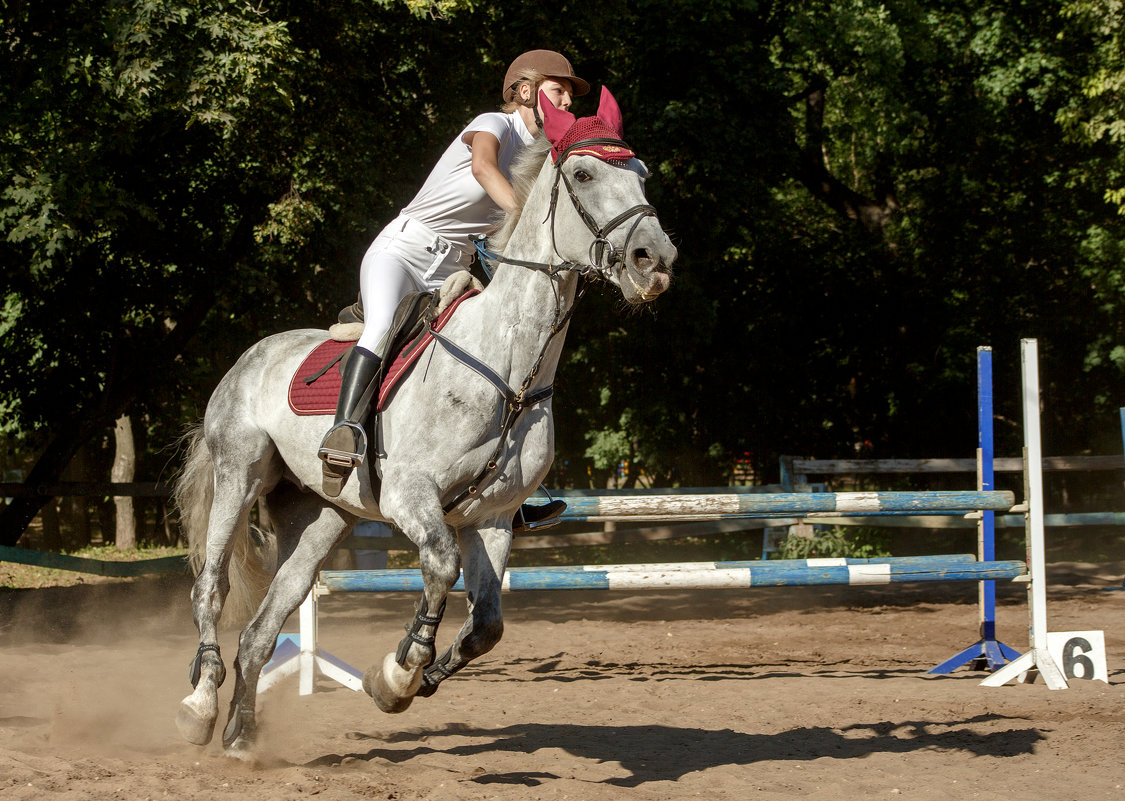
[(771, 693)]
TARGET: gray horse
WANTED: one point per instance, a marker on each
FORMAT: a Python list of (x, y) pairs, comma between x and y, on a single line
[(465, 439)]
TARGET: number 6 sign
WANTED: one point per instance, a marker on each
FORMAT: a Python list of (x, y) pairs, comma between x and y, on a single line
[(1079, 654)]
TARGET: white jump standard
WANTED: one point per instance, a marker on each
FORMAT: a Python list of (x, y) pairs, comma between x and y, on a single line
[(1038, 657)]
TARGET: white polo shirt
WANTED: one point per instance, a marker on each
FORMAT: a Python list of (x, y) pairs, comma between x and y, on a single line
[(451, 202)]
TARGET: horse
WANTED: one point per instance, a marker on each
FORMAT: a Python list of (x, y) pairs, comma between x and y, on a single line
[(461, 444)]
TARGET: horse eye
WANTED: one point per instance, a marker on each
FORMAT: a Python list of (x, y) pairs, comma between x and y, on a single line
[(582, 176)]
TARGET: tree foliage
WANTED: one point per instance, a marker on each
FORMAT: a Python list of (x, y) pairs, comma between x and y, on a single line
[(861, 192)]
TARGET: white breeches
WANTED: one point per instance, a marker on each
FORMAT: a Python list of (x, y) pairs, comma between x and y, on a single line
[(406, 256)]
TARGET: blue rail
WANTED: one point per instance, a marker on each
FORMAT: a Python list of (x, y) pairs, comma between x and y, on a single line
[(699, 575)]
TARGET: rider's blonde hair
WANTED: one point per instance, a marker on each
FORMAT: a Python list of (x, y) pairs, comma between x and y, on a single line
[(532, 78)]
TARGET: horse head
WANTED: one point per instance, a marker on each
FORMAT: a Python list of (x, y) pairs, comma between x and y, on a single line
[(608, 222)]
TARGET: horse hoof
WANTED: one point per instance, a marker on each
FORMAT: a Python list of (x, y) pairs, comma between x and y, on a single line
[(242, 751), (375, 686), (195, 725)]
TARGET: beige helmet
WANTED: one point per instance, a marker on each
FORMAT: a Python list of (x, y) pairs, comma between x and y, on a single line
[(547, 62)]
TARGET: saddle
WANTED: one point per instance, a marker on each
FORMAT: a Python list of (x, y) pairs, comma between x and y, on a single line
[(315, 385)]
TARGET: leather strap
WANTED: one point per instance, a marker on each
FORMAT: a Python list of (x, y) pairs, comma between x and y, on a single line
[(514, 404)]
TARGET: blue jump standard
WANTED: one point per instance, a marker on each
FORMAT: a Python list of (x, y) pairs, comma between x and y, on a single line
[(988, 653)]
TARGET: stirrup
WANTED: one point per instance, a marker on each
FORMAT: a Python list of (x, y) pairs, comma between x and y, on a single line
[(338, 453), (529, 518)]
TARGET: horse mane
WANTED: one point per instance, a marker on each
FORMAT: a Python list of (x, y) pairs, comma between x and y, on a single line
[(525, 170)]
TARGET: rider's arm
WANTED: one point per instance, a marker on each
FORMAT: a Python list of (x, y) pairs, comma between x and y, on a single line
[(486, 169)]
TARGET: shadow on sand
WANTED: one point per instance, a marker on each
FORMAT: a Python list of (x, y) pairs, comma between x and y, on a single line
[(667, 753)]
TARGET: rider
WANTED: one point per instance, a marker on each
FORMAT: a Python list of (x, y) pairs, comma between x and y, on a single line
[(429, 240)]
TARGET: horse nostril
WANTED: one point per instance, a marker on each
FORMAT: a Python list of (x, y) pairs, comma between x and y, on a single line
[(642, 259)]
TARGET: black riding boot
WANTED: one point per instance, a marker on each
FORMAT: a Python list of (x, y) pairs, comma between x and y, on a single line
[(345, 444), (530, 516)]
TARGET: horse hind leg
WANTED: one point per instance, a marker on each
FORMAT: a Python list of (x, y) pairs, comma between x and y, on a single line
[(485, 552), (307, 528), (394, 683), (238, 477)]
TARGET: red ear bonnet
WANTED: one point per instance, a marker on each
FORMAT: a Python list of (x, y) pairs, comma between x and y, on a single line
[(563, 130), (610, 113), (556, 122)]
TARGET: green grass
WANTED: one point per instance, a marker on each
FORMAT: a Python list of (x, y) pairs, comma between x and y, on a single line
[(17, 576)]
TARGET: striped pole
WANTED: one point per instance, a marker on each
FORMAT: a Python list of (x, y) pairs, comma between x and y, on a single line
[(699, 575), (782, 504)]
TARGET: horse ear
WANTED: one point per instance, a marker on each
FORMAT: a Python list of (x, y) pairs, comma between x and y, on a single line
[(556, 122), (610, 113)]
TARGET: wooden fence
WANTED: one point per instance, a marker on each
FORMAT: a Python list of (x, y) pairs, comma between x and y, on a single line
[(795, 471), (796, 474)]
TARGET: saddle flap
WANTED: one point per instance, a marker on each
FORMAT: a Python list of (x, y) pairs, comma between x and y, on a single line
[(411, 317), (414, 347)]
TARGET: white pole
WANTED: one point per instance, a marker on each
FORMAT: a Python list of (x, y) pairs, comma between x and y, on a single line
[(308, 643), (1037, 657), (1037, 590)]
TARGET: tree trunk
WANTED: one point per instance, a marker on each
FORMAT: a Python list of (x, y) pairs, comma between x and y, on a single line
[(52, 534), (813, 172), (124, 468), (75, 509)]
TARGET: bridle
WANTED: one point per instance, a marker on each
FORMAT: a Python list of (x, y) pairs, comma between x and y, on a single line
[(515, 401), (600, 244)]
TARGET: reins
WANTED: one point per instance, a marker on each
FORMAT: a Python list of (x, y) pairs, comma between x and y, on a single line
[(515, 402)]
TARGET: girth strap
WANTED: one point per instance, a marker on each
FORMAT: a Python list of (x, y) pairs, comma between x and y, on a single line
[(486, 372)]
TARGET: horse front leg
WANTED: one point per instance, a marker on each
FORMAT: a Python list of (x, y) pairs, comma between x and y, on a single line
[(394, 683), (485, 552)]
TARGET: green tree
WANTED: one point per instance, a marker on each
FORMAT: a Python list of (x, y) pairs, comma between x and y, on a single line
[(132, 163), (865, 192), (862, 193)]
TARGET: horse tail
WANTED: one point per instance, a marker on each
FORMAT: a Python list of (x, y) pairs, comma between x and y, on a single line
[(193, 493), (253, 551)]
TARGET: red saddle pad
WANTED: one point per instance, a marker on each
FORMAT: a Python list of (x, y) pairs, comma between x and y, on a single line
[(319, 395), (409, 354)]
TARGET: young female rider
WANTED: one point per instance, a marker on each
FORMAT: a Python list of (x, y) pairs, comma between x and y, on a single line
[(429, 239)]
